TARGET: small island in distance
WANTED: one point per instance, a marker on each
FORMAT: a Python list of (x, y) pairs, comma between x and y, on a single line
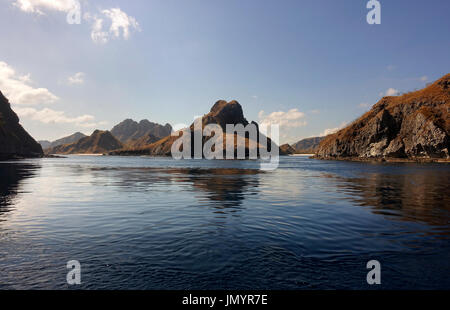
[(411, 127)]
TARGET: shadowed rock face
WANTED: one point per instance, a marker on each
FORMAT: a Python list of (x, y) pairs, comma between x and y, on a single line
[(98, 143), (14, 140), (130, 131), (414, 125)]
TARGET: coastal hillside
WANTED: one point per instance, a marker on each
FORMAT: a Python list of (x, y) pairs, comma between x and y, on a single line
[(14, 140), (414, 125), (307, 146), (130, 131), (99, 142), (222, 113), (66, 140), (287, 149)]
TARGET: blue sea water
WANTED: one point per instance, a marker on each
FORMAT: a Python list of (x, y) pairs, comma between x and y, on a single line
[(158, 223)]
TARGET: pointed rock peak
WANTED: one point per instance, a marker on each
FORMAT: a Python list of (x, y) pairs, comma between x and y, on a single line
[(218, 106), (221, 105)]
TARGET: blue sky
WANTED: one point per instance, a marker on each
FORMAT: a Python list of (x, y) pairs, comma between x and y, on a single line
[(312, 65)]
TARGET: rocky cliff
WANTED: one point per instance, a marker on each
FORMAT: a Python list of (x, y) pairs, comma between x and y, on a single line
[(14, 140), (414, 125), (99, 142)]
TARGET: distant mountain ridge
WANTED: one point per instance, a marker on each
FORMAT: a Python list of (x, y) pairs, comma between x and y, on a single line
[(14, 140), (99, 142), (129, 131), (66, 140), (415, 125), (308, 145)]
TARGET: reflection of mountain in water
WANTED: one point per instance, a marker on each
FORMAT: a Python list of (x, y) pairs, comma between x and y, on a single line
[(226, 188), (12, 175), (423, 196)]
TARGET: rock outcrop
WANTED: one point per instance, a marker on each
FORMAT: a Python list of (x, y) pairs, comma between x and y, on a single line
[(15, 142), (222, 113), (66, 140), (307, 146), (286, 149), (99, 142), (414, 125), (129, 131)]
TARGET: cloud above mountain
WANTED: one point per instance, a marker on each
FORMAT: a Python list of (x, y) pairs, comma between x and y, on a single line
[(19, 90), (330, 131), (292, 118), (28, 100)]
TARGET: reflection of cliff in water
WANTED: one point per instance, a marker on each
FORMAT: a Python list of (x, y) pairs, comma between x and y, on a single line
[(422, 196), (12, 174), (226, 188)]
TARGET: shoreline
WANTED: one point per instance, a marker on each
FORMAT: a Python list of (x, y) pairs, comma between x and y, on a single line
[(386, 159)]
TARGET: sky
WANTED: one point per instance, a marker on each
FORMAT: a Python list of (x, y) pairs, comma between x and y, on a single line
[(310, 66)]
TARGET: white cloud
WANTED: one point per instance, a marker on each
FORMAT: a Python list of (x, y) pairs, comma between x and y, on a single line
[(330, 131), (38, 6), (391, 92), (121, 25), (292, 118), (315, 111), (424, 78), (120, 20), (49, 116), (364, 105), (77, 78), (18, 89), (20, 93)]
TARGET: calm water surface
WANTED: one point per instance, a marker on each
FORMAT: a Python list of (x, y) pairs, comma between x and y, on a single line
[(156, 223)]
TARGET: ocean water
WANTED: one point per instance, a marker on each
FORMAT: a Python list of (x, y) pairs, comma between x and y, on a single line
[(157, 223)]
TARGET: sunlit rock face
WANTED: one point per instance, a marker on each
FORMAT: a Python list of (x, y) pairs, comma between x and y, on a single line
[(413, 125), (15, 142)]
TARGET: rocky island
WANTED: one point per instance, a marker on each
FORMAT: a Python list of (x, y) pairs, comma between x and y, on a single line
[(411, 127), (222, 113)]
